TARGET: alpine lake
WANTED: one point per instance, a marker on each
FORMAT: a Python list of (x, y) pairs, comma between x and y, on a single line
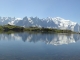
[(39, 46)]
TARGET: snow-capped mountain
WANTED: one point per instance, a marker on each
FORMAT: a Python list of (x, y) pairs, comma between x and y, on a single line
[(48, 22)]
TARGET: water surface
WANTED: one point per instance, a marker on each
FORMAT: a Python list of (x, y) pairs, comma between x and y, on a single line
[(28, 46)]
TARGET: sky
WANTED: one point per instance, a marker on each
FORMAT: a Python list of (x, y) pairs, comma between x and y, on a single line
[(67, 9)]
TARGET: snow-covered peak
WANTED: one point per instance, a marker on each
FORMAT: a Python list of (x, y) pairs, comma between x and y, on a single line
[(31, 21), (18, 19), (59, 19)]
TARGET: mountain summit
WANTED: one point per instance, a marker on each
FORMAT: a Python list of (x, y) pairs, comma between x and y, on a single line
[(57, 22)]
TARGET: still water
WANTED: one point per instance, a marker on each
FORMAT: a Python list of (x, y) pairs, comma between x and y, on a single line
[(28, 46)]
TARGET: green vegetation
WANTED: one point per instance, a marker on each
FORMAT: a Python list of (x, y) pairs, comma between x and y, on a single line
[(12, 28), (47, 30)]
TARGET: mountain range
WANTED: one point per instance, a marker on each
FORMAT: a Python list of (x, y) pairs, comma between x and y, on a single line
[(56, 22)]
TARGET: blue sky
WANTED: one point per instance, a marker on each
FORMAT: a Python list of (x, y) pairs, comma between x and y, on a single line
[(67, 9)]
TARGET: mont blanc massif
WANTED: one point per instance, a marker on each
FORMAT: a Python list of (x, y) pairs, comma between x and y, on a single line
[(57, 22)]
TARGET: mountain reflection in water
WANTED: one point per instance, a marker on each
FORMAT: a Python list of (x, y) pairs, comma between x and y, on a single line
[(53, 39)]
